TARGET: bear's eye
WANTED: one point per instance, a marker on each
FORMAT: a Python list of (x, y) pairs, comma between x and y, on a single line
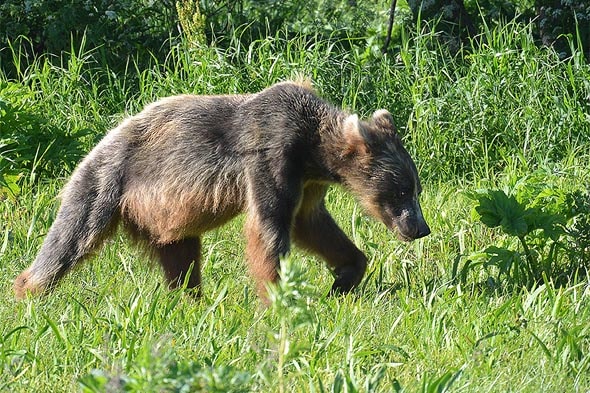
[(404, 193)]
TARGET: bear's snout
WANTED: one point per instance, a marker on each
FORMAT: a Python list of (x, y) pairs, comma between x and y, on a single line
[(410, 223)]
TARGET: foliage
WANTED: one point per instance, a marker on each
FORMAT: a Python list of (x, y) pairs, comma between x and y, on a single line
[(191, 21), (448, 18), (340, 19), (290, 300), (508, 98), (29, 143), (562, 18), (116, 29), (50, 117), (488, 120), (557, 23), (498, 11), (543, 219), (499, 103), (579, 230)]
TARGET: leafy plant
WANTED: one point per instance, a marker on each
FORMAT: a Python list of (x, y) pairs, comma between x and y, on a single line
[(579, 231), (544, 221), (338, 20), (289, 299), (118, 28), (29, 143), (162, 372), (191, 22), (558, 19)]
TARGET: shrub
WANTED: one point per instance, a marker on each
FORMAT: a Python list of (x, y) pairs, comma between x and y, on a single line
[(550, 225), (117, 28), (29, 143)]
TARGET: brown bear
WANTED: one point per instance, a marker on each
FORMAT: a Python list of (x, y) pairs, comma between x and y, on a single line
[(187, 164)]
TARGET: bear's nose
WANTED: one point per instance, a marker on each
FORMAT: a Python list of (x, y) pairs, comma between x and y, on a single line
[(423, 230)]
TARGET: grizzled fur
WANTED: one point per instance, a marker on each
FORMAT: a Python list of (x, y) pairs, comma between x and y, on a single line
[(187, 164)]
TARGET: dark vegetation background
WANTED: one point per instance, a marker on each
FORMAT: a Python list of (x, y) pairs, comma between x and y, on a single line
[(143, 28)]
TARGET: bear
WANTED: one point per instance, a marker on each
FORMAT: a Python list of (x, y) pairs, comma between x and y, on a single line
[(189, 163)]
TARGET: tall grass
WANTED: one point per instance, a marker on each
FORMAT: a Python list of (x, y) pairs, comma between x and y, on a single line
[(503, 111), (461, 116)]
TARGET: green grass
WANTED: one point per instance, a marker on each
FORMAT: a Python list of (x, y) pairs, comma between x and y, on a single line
[(409, 325), (508, 111)]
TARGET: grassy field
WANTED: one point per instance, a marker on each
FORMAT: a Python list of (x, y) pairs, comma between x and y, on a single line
[(440, 314)]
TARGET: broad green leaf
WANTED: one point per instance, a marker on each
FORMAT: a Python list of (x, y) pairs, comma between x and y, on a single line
[(498, 209), (550, 223), (502, 258)]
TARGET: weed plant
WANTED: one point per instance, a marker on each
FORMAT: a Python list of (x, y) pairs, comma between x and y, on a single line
[(549, 224), (484, 121)]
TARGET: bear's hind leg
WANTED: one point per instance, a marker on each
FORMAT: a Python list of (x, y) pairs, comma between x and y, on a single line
[(176, 259), (88, 214)]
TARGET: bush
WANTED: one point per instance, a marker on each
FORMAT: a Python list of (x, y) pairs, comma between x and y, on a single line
[(560, 19), (340, 19), (550, 225), (117, 28), (29, 143)]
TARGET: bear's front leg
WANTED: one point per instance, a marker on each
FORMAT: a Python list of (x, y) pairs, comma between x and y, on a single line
[(262, 255), (272, 201), (316, 230)]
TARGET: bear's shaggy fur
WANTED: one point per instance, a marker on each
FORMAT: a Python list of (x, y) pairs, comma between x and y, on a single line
[(187, 164)]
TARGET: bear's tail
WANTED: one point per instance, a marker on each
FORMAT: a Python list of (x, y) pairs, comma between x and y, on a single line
[(89, 212)]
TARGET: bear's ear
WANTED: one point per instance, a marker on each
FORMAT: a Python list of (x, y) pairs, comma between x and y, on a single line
[(384, 120), (355, 138)]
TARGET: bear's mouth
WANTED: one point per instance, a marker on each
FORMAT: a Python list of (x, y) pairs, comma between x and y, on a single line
[(392, 225), (401, 236)]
